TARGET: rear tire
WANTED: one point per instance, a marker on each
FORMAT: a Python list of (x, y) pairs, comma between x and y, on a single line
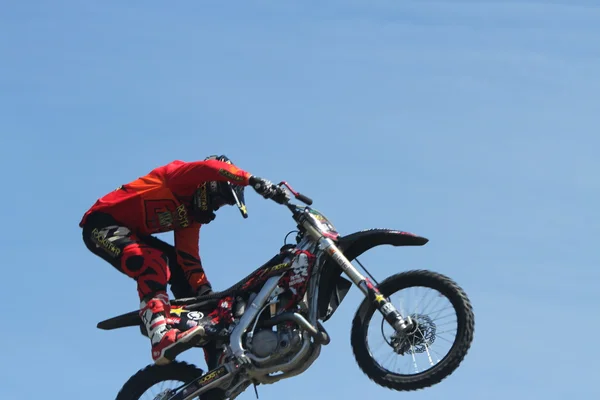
[(458, 351), (149, 376)]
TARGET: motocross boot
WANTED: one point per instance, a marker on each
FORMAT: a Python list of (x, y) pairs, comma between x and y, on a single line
[(167, 342)]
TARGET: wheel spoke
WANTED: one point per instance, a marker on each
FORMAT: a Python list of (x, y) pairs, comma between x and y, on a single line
[(434, 314), (412, 353), (429, 355)]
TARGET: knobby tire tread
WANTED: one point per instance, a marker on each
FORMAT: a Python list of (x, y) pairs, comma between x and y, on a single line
[(152, 374)]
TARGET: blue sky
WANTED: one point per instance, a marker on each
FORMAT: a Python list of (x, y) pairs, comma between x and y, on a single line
[(473, 123)]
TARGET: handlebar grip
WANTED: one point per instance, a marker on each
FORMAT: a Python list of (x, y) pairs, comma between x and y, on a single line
[(304, 199)]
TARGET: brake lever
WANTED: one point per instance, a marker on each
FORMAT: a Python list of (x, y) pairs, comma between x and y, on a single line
[(305, 199)]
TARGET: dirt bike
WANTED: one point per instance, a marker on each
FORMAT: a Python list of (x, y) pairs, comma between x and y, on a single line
[(275, 317)]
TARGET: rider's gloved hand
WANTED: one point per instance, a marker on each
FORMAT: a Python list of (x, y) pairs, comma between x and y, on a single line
[(264, 187), (268, 190)]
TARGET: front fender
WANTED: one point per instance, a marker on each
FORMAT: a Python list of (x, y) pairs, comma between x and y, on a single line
[(355, 244), (333, 287)]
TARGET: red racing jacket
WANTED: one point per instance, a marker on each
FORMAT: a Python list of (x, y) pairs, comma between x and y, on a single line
[(159, 202)]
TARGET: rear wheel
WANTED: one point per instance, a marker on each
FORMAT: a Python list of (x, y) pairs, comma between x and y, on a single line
[(169, 377), (425, 364)]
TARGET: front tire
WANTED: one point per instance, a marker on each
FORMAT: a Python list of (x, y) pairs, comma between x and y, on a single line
[(464, 336)]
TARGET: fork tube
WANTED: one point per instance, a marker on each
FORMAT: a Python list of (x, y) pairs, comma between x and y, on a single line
[(329, 246), (386, 308)]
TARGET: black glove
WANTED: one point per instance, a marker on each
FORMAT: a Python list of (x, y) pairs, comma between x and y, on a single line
[(268, 190)]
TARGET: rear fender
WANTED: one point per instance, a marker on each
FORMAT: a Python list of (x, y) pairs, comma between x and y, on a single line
[(121, 321), (133, 318), (333, 287)]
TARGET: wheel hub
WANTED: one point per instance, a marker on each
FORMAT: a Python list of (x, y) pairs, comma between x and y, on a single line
[(165, 394), (418, 338)]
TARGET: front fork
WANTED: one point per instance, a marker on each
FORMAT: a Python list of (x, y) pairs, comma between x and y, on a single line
[(386, 308)]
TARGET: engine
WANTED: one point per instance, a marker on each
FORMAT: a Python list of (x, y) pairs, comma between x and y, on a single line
[(275, 344)]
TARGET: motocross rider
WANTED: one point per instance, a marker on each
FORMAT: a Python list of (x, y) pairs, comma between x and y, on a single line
[(179, 197)]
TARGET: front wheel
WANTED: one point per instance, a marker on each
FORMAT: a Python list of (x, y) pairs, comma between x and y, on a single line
[(417, 350)]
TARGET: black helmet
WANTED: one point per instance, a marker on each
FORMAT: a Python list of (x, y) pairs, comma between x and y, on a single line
[(224, 192)]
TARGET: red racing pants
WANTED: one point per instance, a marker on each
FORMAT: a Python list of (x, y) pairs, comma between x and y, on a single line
[(151, 262)]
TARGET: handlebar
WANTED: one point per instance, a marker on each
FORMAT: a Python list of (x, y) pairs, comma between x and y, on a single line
[(299, 196), (305, 199)]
